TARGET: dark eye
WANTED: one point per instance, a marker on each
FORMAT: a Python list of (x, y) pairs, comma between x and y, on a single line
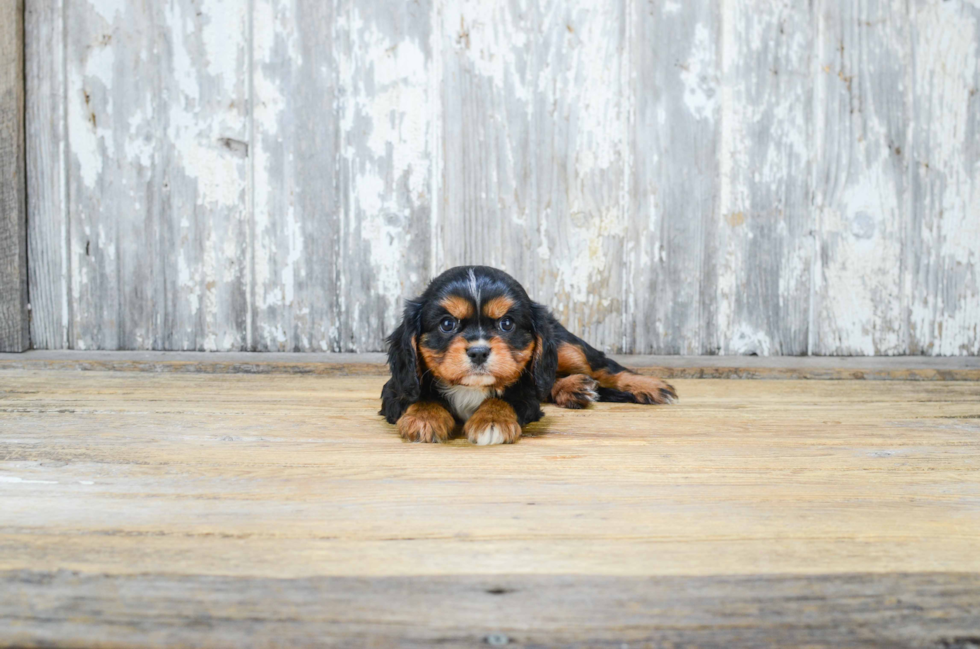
[(506, 324), (447, 324)]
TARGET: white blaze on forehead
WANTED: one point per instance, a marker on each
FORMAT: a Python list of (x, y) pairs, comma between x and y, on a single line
[(475, 290)]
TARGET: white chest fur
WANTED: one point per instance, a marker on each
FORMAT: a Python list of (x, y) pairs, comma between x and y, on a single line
[(465, 399)]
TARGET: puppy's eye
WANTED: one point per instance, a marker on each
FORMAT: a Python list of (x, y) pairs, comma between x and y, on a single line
[(447, 324), (506, 324)]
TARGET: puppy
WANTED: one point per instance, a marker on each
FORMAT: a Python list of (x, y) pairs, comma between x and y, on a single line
[(475, 351)]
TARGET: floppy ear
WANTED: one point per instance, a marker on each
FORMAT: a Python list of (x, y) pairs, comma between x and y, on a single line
[(404, 388), (544, 365)]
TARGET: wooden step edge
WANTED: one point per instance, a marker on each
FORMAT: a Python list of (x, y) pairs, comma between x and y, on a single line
[(913, 368)]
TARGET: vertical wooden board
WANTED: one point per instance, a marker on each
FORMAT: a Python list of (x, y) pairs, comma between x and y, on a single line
[(486, 204), (156, 105), (14, 328), (535, 120), (862, 118), (296, 121), (675, 166), (580, 147), (47, 208), (944, 237), (759, 244), (385, 63)]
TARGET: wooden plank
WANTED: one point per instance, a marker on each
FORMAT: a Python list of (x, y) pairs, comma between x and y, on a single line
[(342, 178), (487, 201), (674, 159), (47, 218), (385, 60), (535, 176), (944, 271), (920, 610), (861, 142), (581, 178), (184, 509), (14, 326), (297, 268), (123, 473), (157, 129), (879, 368), (759, 243)]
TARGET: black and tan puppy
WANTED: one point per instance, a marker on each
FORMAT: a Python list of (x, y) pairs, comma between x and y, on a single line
[(475, 351)]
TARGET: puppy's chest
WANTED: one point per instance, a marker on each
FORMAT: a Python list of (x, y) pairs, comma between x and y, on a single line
[(464, 400)]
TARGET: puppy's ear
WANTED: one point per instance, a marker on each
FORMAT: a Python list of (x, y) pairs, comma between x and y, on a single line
[(404, 388), (544, 365)]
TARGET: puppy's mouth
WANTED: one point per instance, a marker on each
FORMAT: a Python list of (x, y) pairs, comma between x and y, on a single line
[(478, 379)]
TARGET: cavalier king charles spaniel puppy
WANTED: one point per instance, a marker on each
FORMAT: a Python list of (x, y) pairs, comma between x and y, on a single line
[(475, 352)]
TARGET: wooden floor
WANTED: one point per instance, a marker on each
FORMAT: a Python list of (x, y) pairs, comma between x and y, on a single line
[(144, 509)]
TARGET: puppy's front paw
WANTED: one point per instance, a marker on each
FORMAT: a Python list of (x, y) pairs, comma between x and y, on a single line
[(426, 422), (575, 391), (494, 422)]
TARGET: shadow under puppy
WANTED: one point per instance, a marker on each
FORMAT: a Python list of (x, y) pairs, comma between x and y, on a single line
[(475, 351)]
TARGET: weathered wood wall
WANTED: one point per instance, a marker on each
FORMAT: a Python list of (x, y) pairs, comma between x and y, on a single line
[(700, 177), (14, 327)]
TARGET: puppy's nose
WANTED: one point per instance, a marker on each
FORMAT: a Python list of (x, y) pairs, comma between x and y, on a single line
[(478, 355)]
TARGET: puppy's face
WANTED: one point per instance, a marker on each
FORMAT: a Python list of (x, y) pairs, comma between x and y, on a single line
[(476, 331)]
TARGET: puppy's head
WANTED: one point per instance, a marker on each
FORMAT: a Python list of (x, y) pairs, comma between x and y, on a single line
[(474, 326)]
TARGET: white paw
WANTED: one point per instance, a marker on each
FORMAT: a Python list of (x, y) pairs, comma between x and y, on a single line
[(490, 435)]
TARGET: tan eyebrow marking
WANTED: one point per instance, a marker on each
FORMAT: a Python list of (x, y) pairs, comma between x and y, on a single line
[(498, 307), (458, 307)]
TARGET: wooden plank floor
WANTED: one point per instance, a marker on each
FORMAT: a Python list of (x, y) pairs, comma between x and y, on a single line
[(142, 509)]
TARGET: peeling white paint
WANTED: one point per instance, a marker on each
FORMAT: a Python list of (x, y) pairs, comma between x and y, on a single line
[(91, 140), (491, 37), (15, 480), (109, 9), (861, 193), (698, 72), (387, 138), (945, 310), (746, 341)]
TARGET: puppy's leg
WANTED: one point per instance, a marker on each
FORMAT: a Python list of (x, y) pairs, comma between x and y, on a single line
[(575, 391), (616, 383), (494, 422), (426, 421)]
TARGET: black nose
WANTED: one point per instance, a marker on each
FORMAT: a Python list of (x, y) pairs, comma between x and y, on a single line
[(478, 355)]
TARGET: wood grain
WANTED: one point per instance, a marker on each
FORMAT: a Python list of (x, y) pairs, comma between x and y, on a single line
[(385, 60), (880, 368), (203, 509), (47, 207), (535, 118), (943, 276), (675, 158), (850, 610), (758, 245), (296, 272), (862, 117), (157, 174), (14, 327), (580, 174), (487, 208)]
